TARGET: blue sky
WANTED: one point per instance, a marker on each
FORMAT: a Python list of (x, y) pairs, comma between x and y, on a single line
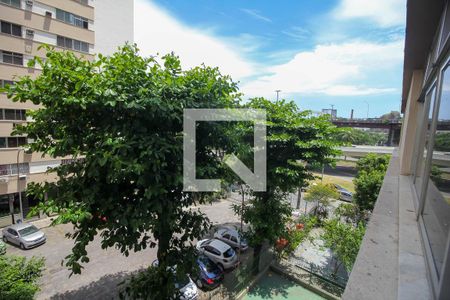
[(346, 53)]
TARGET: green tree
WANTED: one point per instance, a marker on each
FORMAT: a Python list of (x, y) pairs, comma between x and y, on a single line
[(294, 139), (442, 141), (371, 170), (321, 195), (344, 241), (19, 277), (121, 119)]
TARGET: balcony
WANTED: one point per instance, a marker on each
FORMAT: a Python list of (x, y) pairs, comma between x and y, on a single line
[(391, 261)]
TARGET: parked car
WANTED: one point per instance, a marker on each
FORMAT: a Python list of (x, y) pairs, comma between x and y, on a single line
[(219, 252), (209, 274), (184, 284), (232, 238), (24, 235), (345, 195)]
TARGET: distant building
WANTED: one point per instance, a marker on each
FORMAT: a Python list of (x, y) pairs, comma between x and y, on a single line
[(84, 27), (331, 112)]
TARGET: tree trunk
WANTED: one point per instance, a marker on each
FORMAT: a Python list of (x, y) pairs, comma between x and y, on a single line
[(164, 235), (256, 258), (299, 197)]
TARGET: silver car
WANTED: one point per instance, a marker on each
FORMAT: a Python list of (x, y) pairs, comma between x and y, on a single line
[(232, 238), (219, 252), (24, 235)]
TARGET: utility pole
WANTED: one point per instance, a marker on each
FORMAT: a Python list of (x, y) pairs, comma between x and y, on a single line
[(18, 185), (278, 93), (367, 109)]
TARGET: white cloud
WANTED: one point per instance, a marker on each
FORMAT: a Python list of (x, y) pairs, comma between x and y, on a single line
[(336, 69), (158, 32), (385, 13), (256, 14)]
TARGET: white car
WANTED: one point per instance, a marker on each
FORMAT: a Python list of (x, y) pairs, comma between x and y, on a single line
[(219, 252), (232, 238), (188, 289)]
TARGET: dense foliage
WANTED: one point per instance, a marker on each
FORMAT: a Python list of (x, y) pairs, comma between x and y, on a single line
[(356, 136), (344, 240), (442, 141), (368, 181), (294, 139), (121, 119), (321, 195), (19, 276)]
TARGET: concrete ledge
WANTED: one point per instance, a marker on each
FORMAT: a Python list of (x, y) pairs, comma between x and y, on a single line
[(391, 263), (375, 273), (412, 277)]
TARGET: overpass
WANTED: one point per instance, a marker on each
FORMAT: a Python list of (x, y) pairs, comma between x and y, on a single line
[(439, 158), (394, 126)]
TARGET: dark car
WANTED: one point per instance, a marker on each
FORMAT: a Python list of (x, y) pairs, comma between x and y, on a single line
[(209, 275)]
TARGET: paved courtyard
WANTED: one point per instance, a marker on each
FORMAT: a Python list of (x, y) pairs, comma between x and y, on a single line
[(106, 268)]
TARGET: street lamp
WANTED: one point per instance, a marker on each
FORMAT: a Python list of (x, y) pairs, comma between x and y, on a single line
[(367, 109), (278, 93), (18, 184)]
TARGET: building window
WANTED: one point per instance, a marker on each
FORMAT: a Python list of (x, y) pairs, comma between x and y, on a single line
[(72, 44), (15, 3), (436, 211), (12, 141), (13, 114), (70, 18), (11, 169), (5, 83), (12, 29), (12, 58)]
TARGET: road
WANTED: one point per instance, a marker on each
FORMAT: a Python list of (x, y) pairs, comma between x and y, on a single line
[(106, 268)]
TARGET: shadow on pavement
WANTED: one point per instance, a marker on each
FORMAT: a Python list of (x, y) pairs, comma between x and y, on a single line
[(104, 288)]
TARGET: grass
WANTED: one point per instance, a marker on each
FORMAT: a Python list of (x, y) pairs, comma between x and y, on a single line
[(348, 184), (346, 163)]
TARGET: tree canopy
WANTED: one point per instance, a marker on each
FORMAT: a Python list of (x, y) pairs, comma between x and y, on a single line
[(120, 118), (295, 139)]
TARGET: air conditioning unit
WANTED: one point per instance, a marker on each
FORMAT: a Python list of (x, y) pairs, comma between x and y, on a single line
[(22, 176), (4, 180), (29, 3), (29, 33), (48, 14)]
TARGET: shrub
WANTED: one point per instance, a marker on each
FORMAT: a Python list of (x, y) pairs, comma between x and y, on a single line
[(19, 276), (2, 248)]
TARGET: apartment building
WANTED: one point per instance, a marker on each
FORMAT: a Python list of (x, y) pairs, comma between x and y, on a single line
[(85, 27), (405, 253)]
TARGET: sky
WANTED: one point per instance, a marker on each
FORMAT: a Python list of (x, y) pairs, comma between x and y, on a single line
[(342, 53)]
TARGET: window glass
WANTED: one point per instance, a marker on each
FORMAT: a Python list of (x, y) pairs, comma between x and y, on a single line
[(424, 140), (68, 43), (22, 141), (17, 59), (6, 27), (84, 47), (76, 45), (226, 236), (234, 239), (436, 213), (2, 142), (10, 114), (12, 142), (16, 30), (59, 14), (7, 57), (15, 3), (60, 41)]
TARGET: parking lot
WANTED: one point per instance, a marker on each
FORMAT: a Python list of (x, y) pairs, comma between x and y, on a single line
[(106, 268)]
